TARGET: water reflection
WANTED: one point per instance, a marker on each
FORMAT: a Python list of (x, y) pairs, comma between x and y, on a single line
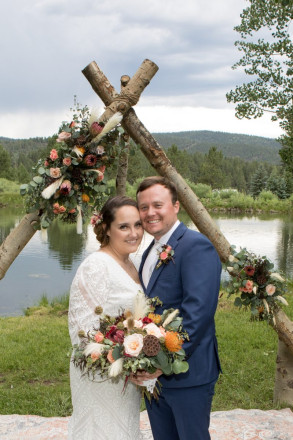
[(64, 244), (49, 267)]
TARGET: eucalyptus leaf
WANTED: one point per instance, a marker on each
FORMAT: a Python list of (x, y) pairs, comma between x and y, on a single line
[(180, 366)]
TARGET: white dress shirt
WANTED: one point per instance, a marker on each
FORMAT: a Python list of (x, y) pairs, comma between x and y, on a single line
[(153, 256)]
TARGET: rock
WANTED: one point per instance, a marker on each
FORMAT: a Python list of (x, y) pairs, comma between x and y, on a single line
[(237, 424)]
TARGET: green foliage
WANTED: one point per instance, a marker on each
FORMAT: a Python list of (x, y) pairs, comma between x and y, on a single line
[(267, 57), (202, 190), (267, 196)]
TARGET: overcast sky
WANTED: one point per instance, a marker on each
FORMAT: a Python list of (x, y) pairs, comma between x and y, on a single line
[(46, 43)]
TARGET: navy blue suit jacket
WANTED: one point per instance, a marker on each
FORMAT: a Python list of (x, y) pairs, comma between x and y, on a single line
[(190, 284)]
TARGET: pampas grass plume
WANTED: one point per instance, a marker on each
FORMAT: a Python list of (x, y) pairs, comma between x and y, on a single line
[(141, 306), (112, 122), (116, 368), (93, 347), (48, 192), (170, 317)]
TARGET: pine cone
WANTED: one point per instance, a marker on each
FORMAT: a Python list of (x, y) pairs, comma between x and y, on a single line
[(151, 345)]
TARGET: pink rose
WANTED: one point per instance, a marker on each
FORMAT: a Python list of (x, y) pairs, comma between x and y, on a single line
[(54, 154), (249, 286), (270, 289), (163, 255), (133, 344), (72, 211), (63, 136), (67, 161), (55, 172), (99, 336), (153, 329), (46, 163), (62, 209)]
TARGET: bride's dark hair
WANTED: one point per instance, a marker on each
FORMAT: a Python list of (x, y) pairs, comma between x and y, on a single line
[(108, 216)]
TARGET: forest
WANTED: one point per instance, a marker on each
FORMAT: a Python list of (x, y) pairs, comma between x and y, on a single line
[(248, 164)]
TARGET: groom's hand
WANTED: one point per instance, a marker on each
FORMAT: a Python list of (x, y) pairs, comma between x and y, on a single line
[(141, 376)]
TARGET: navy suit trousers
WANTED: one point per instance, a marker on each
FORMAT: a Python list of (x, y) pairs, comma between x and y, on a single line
[(182, 413)]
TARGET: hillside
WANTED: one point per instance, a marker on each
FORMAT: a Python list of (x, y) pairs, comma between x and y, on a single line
[(249, 148), (246, 147)]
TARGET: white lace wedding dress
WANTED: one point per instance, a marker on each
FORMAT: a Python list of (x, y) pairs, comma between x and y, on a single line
[(101, 411)]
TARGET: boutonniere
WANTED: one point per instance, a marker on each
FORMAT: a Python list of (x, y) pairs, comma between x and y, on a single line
[(165, 255)]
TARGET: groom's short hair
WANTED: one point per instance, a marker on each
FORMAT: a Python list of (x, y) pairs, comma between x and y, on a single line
[(158, 180)]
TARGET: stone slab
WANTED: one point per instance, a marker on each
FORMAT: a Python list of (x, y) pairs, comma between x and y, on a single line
[(237, 424)]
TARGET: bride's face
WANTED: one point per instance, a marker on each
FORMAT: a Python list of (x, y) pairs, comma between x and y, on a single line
[(125, 231)]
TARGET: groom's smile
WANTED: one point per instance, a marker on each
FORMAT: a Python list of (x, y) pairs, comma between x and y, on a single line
[(157, 211)]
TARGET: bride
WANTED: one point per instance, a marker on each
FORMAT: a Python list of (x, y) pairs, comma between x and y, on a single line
[(106, 278)]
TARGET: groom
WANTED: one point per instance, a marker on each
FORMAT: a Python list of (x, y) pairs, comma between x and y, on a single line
[(191, 284)]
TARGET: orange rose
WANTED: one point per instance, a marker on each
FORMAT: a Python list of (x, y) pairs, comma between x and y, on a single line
[(99, 336), (85, 198), (110, 357), (95, 356)]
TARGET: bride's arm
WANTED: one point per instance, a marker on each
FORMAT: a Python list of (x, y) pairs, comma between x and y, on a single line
[(90, 288)]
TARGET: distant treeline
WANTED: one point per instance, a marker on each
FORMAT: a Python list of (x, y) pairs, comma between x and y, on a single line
[(221, 160)]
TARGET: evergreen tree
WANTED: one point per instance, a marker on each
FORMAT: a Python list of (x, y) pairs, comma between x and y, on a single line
[(258, 181)]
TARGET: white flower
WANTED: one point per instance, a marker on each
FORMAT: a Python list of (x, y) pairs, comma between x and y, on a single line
[(230, 268), (116, 368), (133, 344), (152, 329), (254, 290), (277, 276)]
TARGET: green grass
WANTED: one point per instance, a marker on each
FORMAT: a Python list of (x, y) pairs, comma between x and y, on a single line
[(34, 360)]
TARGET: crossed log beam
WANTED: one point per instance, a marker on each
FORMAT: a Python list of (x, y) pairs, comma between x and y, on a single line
[(131, 89), (123, 103)]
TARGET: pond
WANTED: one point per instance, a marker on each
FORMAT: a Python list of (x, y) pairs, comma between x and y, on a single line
[(48, 267)]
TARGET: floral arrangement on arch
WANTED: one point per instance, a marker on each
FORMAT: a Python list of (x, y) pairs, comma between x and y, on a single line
[(259, 286), (72, 176), (131, 342)]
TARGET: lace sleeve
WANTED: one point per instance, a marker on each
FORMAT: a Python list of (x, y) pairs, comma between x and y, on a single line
[(90, 288)]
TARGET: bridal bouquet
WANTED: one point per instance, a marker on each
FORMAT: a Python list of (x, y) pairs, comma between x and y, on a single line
[(132, 342)]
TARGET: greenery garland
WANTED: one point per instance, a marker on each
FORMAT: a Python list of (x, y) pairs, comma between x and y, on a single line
[(259, 287)]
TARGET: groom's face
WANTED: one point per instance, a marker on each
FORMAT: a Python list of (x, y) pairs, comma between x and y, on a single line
[(157, 212)]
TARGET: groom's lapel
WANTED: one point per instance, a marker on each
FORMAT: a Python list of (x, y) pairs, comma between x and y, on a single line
[(173, 242)]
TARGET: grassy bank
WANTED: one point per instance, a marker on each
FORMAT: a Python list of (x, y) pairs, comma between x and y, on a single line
[(226, 200), (35, 348)]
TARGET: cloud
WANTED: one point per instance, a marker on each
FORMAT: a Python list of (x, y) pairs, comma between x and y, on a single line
[(45, 45)]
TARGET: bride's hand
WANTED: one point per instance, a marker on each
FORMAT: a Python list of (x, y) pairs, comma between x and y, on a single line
[(142, 376)]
